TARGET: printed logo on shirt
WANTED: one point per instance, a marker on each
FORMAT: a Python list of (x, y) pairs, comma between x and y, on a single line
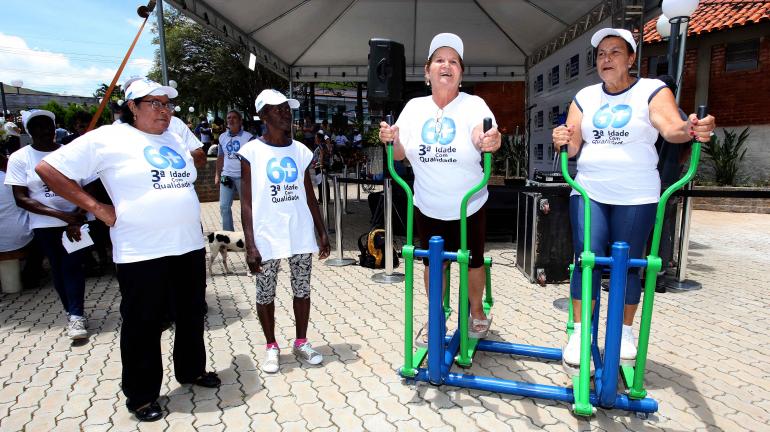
[(442, 132), (232, 147), (615, 117), (48, 192), (283, 174), (164, 158)]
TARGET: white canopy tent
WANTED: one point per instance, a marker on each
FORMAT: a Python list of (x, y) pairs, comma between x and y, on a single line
[(327, 40)]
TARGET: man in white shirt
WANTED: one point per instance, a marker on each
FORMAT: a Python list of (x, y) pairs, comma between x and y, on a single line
[(228, 172)]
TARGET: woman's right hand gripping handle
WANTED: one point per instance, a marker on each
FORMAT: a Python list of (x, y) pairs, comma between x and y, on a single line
[(562, 137)]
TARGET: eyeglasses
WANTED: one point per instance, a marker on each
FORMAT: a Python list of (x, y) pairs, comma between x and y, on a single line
[(158, 105), (439, 124)]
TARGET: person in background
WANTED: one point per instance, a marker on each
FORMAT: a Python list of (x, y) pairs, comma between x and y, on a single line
[(51, 216), (228, 170), (447, 120), (671, 158), (16, 235), (80, 123), (613, 126), (12, 140), (156, 235), (280, 213), (60, 133), (204, 133)]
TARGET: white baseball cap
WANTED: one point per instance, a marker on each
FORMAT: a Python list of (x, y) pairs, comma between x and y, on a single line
[(129, 81), (26, 116), (450, 40), (11, 129), (622, 33), (273, 97), (144, 87)]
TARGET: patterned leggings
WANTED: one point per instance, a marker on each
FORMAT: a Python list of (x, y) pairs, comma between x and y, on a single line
[(300, 266)]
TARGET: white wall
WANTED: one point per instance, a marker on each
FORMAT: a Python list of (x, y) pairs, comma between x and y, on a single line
[(557, 96)]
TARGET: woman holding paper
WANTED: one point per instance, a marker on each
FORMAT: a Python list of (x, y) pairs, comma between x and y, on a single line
[(156, 237), (50, 216)]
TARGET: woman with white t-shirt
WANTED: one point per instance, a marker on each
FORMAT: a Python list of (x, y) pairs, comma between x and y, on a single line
[(50, 216), (156, 234), (612, 127), (443, 138)]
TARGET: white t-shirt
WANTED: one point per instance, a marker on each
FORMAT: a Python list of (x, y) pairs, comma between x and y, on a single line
[(283, 225), (439, 146), (618, 161), (340, 140), (150, 181), (228, 147), (179, 127), (21, 172), (14, 220)]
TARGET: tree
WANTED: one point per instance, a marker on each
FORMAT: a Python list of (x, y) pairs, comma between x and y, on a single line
[(209, 72)]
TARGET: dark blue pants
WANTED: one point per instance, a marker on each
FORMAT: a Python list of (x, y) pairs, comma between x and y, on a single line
[(66, 269), (610, 223)]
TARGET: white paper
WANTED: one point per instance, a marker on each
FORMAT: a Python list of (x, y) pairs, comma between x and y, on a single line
[(72, 246)]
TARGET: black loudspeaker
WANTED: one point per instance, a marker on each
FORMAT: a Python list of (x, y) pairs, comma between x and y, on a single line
[(387, 71)]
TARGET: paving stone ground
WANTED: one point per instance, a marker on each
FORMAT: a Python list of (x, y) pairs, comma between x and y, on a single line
[(707, 362)]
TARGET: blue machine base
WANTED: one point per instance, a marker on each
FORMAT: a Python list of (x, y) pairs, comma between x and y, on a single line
[(541, 391)]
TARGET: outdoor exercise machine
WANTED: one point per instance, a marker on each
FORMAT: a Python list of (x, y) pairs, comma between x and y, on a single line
[(444, 350)]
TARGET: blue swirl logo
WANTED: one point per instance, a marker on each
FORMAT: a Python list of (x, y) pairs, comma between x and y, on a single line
[(442, 131), (283, 170), (233, 146), (617, 116), (164, 157)]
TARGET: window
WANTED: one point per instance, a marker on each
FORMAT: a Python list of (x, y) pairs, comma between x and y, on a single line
[(539, 84), (742, 55), (539, 119), (554, 117), (658, 65), (553, 77), (539, 152), (323, 113), (591, 59), (572, 68)]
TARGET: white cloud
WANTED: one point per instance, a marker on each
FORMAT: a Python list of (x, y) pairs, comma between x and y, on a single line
[(74, 74), (134, 23)]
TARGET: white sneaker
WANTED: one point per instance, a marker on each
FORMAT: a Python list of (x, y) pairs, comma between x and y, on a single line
[(270, 363), (571, 352), (76, 328), (307, 353), (628, 344)]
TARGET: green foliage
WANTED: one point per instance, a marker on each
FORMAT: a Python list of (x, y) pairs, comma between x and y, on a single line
[(372, 137), (726, 156), (514, 149), (209, 72), (66, 115)]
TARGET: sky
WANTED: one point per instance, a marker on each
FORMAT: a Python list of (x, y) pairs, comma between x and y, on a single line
[(72, 46)]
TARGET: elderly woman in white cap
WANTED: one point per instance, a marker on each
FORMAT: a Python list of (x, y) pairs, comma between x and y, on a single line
[(443, 137), (156, 236), (50, 215), (613, 127)]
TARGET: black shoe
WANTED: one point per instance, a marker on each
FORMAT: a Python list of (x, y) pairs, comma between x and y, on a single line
[(148, 413), (208, 380)]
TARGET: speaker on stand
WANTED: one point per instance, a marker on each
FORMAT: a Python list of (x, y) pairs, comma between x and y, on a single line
[(385, 85)]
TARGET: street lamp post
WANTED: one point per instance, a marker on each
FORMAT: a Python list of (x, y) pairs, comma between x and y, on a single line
[(680, 11), (17, 84)]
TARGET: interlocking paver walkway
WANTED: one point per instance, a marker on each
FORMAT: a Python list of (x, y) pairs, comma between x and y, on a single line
[(707, 368)]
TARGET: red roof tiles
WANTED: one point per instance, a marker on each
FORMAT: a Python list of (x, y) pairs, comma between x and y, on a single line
[(715, 15)]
